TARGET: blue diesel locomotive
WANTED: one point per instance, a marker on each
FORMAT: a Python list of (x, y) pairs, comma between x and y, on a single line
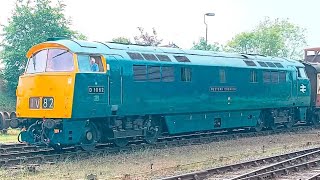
[(77, 92)]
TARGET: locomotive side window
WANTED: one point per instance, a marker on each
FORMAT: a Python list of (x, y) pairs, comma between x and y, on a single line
[(253, 76), (301, 72), (96, 64), (88, 63), (222, 75), (186, 74)]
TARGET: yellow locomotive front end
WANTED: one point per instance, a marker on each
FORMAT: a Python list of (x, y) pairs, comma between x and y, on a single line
[(47, 81), (46, 92)]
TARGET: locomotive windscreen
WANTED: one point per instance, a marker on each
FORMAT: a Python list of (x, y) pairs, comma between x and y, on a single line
[(50, 60)]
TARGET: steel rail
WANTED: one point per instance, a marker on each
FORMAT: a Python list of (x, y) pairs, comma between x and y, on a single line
[(285, 171), (41, 154), (229, 168), (279, 166), (315, 177)]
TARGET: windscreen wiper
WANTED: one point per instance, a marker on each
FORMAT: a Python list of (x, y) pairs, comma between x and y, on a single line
[(60, 54)]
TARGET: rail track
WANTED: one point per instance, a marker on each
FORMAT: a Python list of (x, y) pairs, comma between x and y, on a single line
[(303, 164), (22, 154)]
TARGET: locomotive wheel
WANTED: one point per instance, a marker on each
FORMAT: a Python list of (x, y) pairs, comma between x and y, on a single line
[(289, 125), (121, 142), (56, 147), (315, 120), (273, 127), (153, 131), (90, 137), (259, 126)]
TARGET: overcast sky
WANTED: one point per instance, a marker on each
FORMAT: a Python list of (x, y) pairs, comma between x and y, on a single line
[(181, 21)]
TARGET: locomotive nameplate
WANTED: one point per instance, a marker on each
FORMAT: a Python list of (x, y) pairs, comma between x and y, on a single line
[(96, 89), (223, 89)]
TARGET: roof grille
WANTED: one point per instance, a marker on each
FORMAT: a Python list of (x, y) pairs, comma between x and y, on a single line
[(270, 64), (262, 64), (279, 65), (182, 58), (250, 63), (150, 57), (135, 56)]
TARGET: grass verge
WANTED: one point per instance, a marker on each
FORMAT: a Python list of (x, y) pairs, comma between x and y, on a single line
[(11, 136)]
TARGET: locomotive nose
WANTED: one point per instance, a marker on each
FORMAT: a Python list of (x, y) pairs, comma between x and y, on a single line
[(46, 95)]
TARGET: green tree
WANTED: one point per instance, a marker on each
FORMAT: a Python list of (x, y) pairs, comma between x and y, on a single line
[(202, 45), (273, 38), (122, 40), (144, 38), (31, 23)]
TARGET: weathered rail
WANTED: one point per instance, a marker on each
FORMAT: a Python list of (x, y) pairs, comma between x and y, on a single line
[(235, 167), (316, 176), (285, 167)]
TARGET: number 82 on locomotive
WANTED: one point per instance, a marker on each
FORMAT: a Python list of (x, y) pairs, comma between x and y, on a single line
[(46, 103)]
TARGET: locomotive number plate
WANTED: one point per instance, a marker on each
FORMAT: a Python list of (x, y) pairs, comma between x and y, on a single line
[(96, 90), (34, 103), (47, 102)]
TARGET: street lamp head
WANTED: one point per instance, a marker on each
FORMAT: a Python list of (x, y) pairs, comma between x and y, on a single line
[(210, 14)]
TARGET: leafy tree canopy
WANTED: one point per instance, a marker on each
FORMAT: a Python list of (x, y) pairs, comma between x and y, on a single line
[(32, 22), (202, 45), (122, 40), (273, 38), (144, 38)]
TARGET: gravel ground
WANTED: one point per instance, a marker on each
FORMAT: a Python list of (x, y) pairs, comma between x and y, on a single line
[(137, 165)]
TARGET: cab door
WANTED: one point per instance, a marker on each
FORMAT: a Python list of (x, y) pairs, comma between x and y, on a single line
[(303, 86), (115, 82), (293, 82)]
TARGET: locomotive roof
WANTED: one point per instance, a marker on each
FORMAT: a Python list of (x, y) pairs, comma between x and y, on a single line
[(193, 57)]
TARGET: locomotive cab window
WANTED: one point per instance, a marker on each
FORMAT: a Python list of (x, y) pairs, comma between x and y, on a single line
[(88, 63), (50, 60), (301, 73)]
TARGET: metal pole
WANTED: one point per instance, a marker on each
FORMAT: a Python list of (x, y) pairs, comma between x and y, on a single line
[(204, 17)]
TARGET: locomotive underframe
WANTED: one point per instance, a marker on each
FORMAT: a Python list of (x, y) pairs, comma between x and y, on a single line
[(122, 130)]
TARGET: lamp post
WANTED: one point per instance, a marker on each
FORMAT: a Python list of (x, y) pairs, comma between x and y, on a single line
[(207, 14)]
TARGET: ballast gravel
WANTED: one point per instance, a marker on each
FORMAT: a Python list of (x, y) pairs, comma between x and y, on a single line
[(158, 163)]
